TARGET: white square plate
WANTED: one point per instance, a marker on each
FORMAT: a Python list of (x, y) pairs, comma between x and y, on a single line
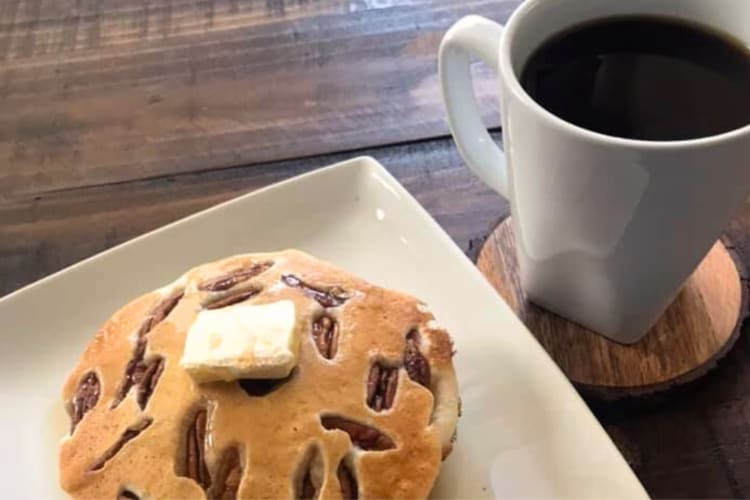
[(524, 431)]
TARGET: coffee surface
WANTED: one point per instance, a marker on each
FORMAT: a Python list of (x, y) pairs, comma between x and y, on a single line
[(641, 77)]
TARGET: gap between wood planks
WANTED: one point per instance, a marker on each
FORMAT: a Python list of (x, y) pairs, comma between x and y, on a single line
[(43, 233), (342, 155)]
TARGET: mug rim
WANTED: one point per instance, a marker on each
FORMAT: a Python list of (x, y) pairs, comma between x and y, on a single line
[(508, 74)]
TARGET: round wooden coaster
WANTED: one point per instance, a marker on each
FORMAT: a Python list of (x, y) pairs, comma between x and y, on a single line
[(695, 332)]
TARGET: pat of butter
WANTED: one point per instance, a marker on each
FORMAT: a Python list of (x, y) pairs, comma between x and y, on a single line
[(242, 341)]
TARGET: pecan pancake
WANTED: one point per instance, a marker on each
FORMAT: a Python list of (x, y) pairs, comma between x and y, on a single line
[(369, 410)]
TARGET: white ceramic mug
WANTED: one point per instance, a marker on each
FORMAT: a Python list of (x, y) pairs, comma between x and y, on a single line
[(607, 229)]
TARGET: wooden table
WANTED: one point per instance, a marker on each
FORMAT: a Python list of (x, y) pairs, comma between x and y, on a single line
[(118, 117)]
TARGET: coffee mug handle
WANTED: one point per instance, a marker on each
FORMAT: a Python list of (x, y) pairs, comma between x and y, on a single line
[(480, 37)]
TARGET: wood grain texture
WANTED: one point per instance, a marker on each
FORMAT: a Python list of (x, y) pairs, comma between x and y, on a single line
[(43, 233), (103, 91), (694, 333)]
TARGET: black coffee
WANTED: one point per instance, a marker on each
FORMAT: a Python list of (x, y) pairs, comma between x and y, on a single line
[(643, 78)]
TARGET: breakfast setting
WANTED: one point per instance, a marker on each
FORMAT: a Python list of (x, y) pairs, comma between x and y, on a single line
[(365, 249)]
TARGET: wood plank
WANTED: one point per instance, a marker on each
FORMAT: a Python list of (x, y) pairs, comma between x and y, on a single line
[(102, 91), (692, 442), (688, 443), (44, 233), (694, 333)]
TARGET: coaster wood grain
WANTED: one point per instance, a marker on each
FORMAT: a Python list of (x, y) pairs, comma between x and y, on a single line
[(694, 333)]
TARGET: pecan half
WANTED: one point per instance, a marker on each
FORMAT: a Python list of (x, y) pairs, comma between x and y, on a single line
[(85, 398), (134, 371), (307, 490), (325, 332), (127, 495), (195, 450), (363, 436), (147, 382), (228, 476), (232, 278), (347, 482), (309, 483), (415, 363), (381, 386), (326, 297), (165, 307), (262, 386), (231, 299), (136, 367), (129, 434)]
